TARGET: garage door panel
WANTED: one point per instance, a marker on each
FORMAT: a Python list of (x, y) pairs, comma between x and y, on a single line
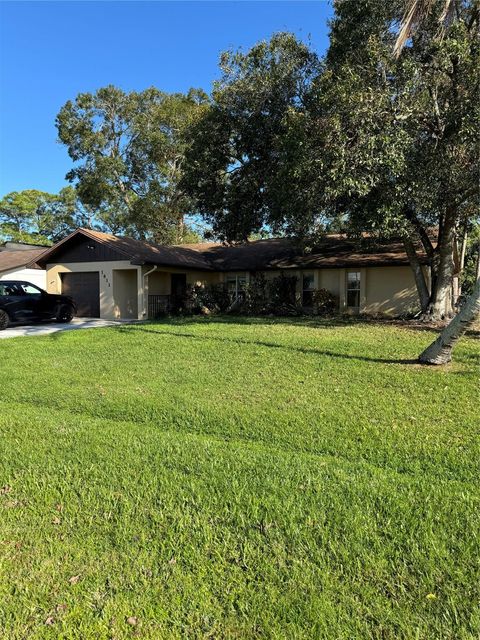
[(84, 288)]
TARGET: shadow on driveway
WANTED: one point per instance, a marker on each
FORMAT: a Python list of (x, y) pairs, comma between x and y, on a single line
[(45, 329)]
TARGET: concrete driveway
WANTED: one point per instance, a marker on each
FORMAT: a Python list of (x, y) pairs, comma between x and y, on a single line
[(52, 327)]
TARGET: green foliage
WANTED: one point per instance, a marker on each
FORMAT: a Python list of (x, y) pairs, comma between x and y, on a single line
[(212, 298), (283, 291), (262, 296), (363, 141), (39, 217), (472, 256), (325, 303), (399, 138), (255, 296), (234, 164), (238, 478), (128, 150), (17, 212)]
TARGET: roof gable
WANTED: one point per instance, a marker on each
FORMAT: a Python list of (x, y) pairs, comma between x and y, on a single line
[(122, 248), (81, 248)]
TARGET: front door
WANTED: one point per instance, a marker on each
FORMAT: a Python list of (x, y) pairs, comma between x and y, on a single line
[(178, 290)]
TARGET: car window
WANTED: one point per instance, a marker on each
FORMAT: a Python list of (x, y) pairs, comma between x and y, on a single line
[(30, 290), (10, 290)]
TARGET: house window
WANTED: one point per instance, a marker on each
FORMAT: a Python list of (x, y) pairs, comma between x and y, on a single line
[(353, 289), (236, 284), (308, 287)]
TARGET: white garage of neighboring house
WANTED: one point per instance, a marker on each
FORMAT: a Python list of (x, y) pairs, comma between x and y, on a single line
[(20, 263)]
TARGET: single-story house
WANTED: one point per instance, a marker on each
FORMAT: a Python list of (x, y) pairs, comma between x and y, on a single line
[(118, 277), (18, 262)]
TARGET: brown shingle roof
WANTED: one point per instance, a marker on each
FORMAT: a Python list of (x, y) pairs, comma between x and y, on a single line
[(334, 250), (17, 259), (141, 252)]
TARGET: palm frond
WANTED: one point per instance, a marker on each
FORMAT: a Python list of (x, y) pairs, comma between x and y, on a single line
[(416, 13)]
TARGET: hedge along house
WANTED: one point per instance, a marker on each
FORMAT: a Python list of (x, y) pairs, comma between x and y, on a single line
[(116, 277)]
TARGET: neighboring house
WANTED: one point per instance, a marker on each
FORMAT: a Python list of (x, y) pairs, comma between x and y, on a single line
[(10, 245), (20, 264), (115, 277)]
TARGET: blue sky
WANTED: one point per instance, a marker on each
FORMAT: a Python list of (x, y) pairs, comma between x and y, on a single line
[(51, 51)]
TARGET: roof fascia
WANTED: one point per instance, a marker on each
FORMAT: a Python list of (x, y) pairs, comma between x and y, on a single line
[(84, 232)]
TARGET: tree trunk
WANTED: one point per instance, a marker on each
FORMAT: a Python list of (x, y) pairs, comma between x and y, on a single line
[(463, 251), (441, 302), (440, 351), (418, 274)]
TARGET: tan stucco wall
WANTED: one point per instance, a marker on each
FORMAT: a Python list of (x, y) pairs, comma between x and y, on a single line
[(390, 290), (330, 279), (125, 295), (383, 290), (106, 277), (159, 281), (387, 290)]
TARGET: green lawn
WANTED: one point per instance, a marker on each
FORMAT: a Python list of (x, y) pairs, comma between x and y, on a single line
[(238, 479)]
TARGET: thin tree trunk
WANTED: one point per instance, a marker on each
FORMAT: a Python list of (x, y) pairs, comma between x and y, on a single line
[(440, 351), (463, 251), (441, 306), (418, 274)]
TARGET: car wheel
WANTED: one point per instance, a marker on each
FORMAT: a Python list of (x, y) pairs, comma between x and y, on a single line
[(65, 313), (4, 319)]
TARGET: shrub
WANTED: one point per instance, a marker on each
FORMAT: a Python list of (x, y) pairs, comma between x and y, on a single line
[(254, 297), (215, 298), (324, 302), (282, 291), (259, 297)]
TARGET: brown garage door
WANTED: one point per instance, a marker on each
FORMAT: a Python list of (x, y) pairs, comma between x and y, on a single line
[(84, 288)]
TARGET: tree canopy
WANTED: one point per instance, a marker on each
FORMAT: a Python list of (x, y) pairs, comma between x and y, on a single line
[(403, 143), (39, 217), (128, 150), (364, 139), (236, 161)]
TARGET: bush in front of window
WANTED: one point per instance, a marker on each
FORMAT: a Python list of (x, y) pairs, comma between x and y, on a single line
[(211, 298), (258, 297), (324, 302), (282, 295), (267, 297), (254, 297)]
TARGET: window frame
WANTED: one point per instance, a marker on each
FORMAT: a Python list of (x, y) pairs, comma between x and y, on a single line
[(240, 279), (23, 285), (307, 300), (353, 290)]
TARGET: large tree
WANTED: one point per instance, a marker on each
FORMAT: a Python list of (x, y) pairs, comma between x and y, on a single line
[(387, 145), (128, 150), (417, 12), (400, 136), (237, 159)]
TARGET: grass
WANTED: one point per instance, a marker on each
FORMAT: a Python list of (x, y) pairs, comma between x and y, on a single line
[(238, 479)]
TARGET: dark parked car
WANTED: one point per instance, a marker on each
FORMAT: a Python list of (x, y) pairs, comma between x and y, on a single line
[(24, 302)]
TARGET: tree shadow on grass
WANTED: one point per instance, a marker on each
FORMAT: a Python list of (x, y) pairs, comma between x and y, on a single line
[(272, 345), (314, 322)]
